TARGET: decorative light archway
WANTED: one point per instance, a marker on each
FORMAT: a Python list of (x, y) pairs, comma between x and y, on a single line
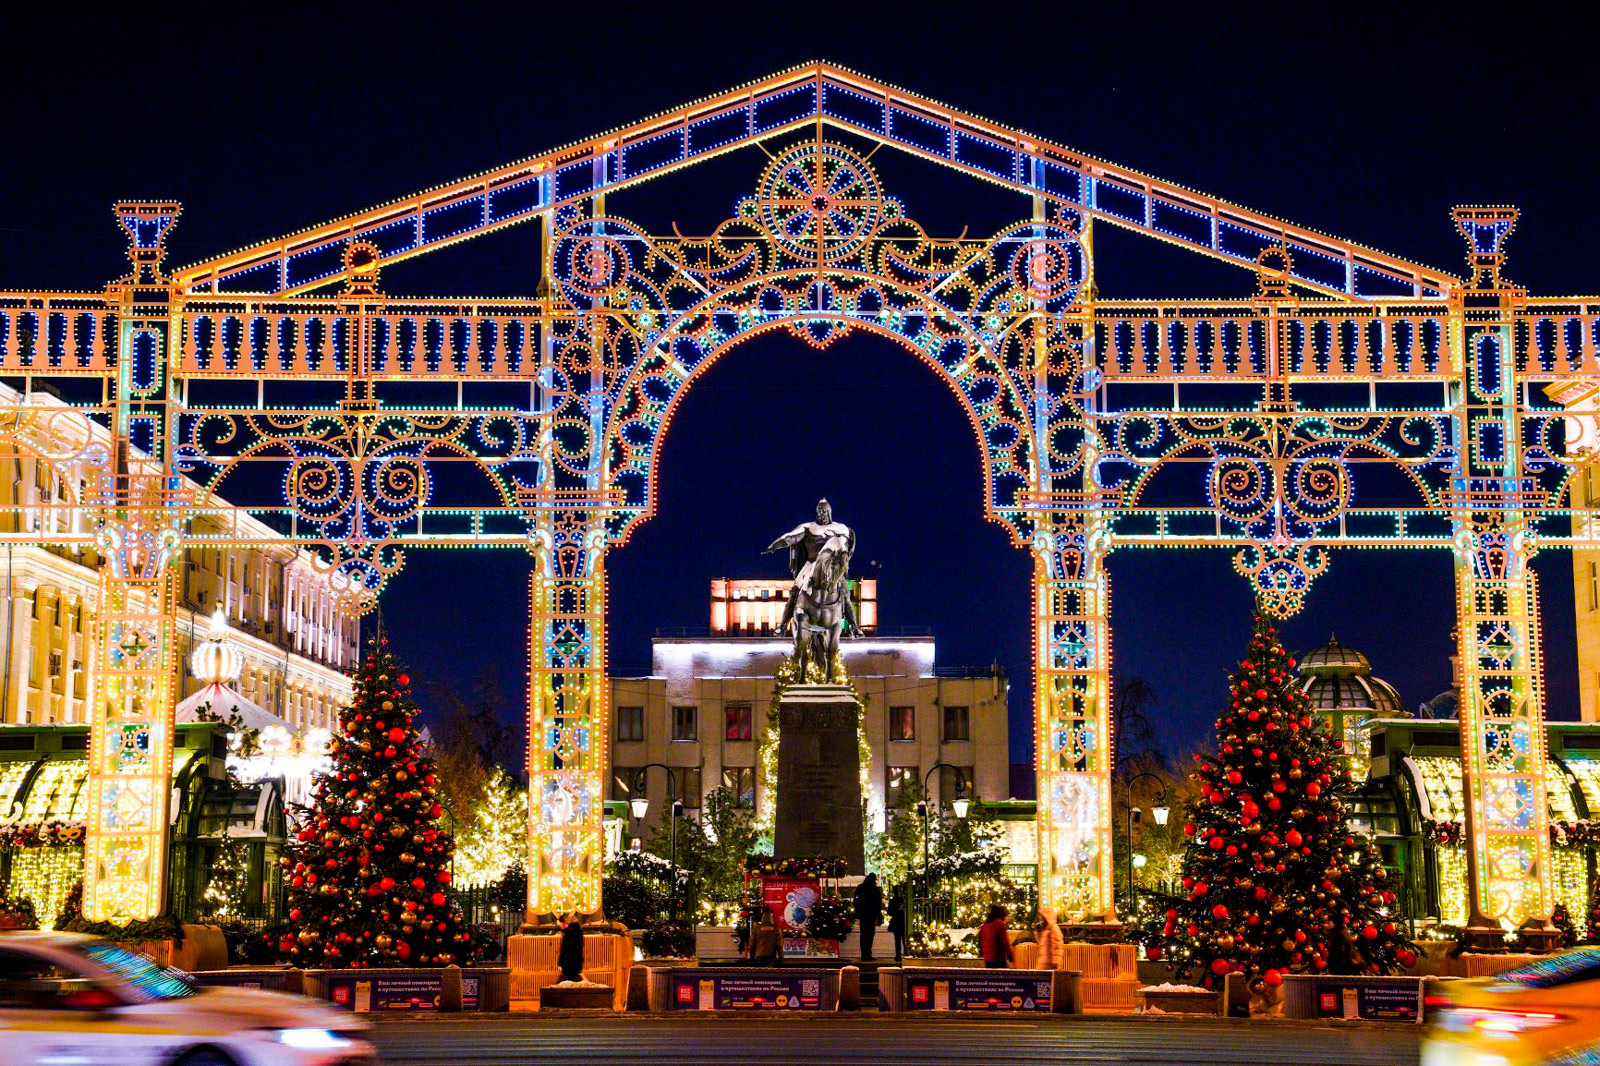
[(623, 322)]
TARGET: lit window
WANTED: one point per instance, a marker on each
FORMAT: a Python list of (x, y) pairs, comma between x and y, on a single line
[(902, 723), (899, 781), (740, 781), (737, 716)]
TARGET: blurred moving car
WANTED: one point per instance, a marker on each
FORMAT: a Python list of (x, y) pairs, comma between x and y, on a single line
[(73, 1000), (1544, 1014)]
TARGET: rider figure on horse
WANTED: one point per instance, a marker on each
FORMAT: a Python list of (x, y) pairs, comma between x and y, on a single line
[(808, 542)]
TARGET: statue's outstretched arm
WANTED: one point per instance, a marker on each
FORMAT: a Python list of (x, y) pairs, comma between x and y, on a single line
[(788, 539)]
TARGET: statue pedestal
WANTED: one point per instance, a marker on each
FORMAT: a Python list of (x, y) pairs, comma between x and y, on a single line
[(818, 811)]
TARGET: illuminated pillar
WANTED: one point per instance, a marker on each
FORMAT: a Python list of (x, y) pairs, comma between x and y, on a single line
[(133, 661), (1503, 755), (568, 716), (1072, 717)]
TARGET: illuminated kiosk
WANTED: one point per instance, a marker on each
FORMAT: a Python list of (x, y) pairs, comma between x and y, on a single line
[(1077, 464)]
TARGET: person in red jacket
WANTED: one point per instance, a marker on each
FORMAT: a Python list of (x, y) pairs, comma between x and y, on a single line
[(994, 940)]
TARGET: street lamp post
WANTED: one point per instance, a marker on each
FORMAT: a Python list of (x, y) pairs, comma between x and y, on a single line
[(639, 803), (1159, 812), (958, 804)]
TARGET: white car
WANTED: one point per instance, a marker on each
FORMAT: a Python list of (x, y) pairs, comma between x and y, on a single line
[(72, 1000)]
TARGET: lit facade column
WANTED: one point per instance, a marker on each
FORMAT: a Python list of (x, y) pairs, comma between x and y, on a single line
[(1502, 714), (133, 658), (1072, 719), (568, 711)]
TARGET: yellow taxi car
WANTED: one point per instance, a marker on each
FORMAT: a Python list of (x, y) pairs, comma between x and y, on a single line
[(72, 1000), (1544, 1014)]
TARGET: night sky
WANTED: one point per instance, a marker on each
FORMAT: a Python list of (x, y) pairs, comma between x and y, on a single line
[(265, 121)]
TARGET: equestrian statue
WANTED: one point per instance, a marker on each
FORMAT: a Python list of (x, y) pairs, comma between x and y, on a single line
[(819, 608)]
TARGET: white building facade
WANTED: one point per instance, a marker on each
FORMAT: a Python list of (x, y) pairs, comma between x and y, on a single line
[(285, 619), (703, 711)]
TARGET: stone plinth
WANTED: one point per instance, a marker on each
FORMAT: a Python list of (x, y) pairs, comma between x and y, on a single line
[(819, 776)]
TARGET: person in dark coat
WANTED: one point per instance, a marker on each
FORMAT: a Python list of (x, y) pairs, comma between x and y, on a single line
[(897, 922), (869, 911), (570, 959)]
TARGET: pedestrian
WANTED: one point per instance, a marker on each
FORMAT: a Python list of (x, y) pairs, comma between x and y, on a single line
[(764, 940), (570, 959), (869, 912), (1052, 949), (994, 940), (897, 921)]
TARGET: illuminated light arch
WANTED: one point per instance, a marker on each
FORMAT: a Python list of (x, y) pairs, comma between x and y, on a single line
[(1492, 468)]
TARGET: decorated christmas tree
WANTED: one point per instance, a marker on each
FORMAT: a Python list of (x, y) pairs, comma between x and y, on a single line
[(368, 874), (1274, 881)]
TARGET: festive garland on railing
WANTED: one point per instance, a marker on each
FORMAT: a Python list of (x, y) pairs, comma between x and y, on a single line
[(966, 864), (1444, 831), (41, 835), (1583, 833), (794, 867), (651, 867)]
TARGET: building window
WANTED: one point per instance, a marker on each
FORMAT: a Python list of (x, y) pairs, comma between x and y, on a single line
[(740, 781), (738, 721), (622, 781), (683, 724), (55, 664), (1594, 586), (902, 723), (956, 725), (901, 779), (950, 784), (630, 723), (688, 781)]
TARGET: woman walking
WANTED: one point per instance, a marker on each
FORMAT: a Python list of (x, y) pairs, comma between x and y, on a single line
[(1052, 949), (994, 940)]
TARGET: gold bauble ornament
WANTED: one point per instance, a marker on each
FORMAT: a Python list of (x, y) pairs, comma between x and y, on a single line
[(407, 858), (383, 940), (397, 831), (400, 775), (409, 918)]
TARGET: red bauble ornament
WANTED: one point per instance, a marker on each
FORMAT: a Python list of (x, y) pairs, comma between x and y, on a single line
[(1216, 843), (1221, 911), (1154, 950), (1219, 966), (1188, 829), (1235, 777), (1313, 789), (1370, 932), (397, 734), (1273, 978)]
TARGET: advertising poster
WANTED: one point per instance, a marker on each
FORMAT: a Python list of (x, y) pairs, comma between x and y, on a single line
[(1379, 1003), (379, 993), (790, 900), (983, 990), (737, 992)]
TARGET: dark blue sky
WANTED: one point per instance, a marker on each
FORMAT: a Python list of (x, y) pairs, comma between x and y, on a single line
[(1362, 124)]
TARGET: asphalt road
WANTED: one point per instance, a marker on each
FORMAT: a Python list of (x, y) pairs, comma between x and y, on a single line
[(835, 1040)]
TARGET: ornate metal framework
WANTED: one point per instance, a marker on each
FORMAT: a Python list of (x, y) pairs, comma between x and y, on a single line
[(1340, 350)]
